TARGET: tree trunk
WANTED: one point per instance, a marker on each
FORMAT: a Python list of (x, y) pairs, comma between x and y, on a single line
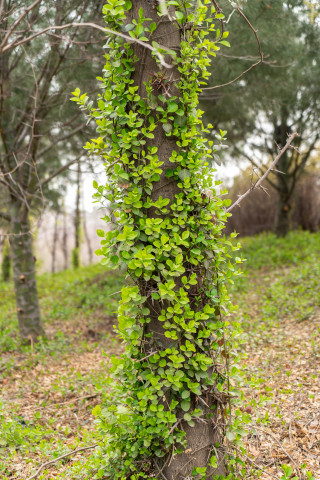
[(282, 219), (65, 240), (87, 236), (285, 181), (6, 262), (54, 243), (202, 438), (77, 223), (24, 276)]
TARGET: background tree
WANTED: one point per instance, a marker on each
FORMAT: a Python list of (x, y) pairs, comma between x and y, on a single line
[(37, 122), (272, 100), (5, 262), (257, 211), (77, 221)]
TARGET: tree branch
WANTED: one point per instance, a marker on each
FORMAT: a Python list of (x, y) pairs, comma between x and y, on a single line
[(16, 23), (264, 176), (255, 164), (60, 458), (5, 217), (57, 172), (12, 45), (300, 166), (251, 66), (58, 140)]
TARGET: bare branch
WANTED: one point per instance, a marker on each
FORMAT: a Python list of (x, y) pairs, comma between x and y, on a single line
[(264, 176), (16, 23), (57, 172), (261, 169), (251, 66), (5, 217), (12, 45), (60, 139), (44, 465)]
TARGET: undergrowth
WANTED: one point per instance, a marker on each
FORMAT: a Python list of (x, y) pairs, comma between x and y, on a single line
[(279, 288)]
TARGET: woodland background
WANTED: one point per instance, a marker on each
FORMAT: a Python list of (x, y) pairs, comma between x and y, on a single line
[(266, 86)]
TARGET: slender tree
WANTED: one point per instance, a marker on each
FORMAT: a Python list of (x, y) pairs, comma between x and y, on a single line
[(77, 222), (5, 262), (64, 239), (54, 242), (39, 64), (87, 236)]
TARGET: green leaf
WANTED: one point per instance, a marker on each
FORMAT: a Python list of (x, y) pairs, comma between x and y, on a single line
[(184, 173), (185, 405), (167, 127), (179, 15), (230, 436), (129, 27), (185, 394), (172, 107)]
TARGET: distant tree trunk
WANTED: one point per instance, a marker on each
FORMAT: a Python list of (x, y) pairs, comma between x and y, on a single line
[(65, 241), (24, 276), (204, 436), (87, 235), (77, 222), (6, 262), (282, 219), (285, 181), (54, 243)]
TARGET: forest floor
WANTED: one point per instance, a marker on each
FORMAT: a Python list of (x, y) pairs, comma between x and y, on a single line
[(48, 390)]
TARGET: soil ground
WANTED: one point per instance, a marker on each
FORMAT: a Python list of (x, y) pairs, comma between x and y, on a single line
[(48, 390)]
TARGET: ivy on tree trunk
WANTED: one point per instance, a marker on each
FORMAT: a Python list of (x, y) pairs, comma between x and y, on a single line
[(169, 412)]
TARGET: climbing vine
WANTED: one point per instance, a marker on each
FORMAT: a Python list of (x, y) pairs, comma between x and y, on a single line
[(177, 260)]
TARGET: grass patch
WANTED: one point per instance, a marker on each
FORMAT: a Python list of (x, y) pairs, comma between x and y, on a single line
[(49, 391), (85, 293)]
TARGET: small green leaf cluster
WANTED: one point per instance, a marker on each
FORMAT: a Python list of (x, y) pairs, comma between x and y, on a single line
[(176, 258)]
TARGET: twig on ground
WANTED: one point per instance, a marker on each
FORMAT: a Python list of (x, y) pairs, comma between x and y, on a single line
[(160, 471), (54, 405), (44, 465), (282, 448)]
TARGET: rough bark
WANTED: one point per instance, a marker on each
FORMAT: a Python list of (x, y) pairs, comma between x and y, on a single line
[(24, 275), (201, 438)]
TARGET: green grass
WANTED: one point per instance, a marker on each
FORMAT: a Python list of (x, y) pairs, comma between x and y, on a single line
[(78, 309), (280, 283), (269, 251), (65, 295)]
